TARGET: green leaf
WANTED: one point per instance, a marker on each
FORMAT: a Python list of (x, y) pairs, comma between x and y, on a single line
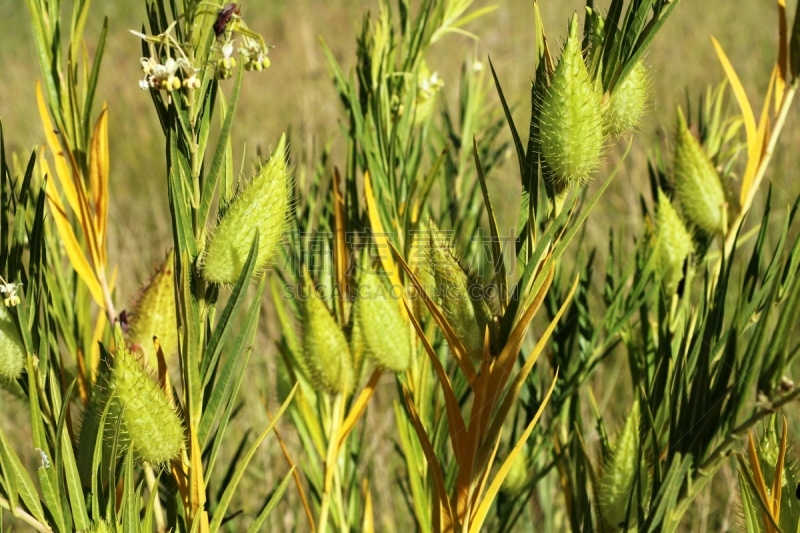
[(227, 496), (258, 523), (19, 481), (219, 154)]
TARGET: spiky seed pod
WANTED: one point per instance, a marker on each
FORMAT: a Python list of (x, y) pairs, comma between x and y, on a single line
[(12, 350), (325, 356), (381, 323), (674, 244), (154, 315), (148, 420), (571, 117), (619, 473), (628, 102), (697, 184), (261, 205), (468, 316)]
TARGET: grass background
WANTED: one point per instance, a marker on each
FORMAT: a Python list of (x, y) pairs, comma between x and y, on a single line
[(296, 94)]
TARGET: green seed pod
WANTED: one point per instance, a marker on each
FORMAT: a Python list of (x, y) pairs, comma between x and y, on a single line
[(148, 419), (674, 244), (154, 315), (571, 117), (619, 473), (261, 205), (628, 102), (325, 356), (12, 351), (517, 476), (467, 316), (381, 324), (697, 184)]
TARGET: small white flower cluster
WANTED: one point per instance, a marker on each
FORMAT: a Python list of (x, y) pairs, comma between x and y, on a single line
[(253, 51), (9, 292), (428, 86), (255, 55), (158, 76)]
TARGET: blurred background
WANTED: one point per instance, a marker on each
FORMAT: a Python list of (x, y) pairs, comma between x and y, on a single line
[(296, 94)]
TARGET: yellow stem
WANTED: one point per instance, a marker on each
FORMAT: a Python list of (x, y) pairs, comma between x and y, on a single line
[(20, 513)]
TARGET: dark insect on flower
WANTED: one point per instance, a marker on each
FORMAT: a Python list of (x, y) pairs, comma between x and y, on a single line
[(224, 16)]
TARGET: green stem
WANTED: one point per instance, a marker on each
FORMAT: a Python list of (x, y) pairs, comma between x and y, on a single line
[(330, 462), (20, 513)]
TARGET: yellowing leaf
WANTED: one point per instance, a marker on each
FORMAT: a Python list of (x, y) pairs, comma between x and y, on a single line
[(359, 406), (381, 240), (741, 98), (98, 178), (783, 57), (494, 488), (63, 170), (70, 243)]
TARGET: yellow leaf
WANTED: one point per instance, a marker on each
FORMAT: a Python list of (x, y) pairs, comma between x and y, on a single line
[(783, 57), (741, 98), (455, 421), (98, 178), (494, 488), (381, 239), (455, 344), (359, 406), (439, 490), (63, 170), (762, 136), (73, 249), (197, 486), (368, 526)]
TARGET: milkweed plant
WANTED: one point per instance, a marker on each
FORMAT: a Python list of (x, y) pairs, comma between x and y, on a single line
[(394, 298)]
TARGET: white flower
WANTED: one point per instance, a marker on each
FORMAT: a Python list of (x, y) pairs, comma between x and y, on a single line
[(9, 291), (227, 50)]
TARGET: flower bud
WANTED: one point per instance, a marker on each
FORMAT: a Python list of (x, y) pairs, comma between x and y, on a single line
[(261, 205), (381, 324), (462, 299), (674, 244), (325, 356), (697, 184), (12, 350), (628, 102), (571, 121), (154, 315)]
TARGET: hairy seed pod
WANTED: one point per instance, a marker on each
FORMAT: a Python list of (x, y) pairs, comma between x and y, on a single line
[(571, 117), (154, 315), (628, 102), (468, 316), (381, 324), (261, 205), (12, 351), (619, 473), (148, 419), (674, 244), (325, 356), (697, 184)]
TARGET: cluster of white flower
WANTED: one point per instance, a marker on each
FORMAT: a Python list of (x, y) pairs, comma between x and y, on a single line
[(9, 292), (166, 76), (255, 54)]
